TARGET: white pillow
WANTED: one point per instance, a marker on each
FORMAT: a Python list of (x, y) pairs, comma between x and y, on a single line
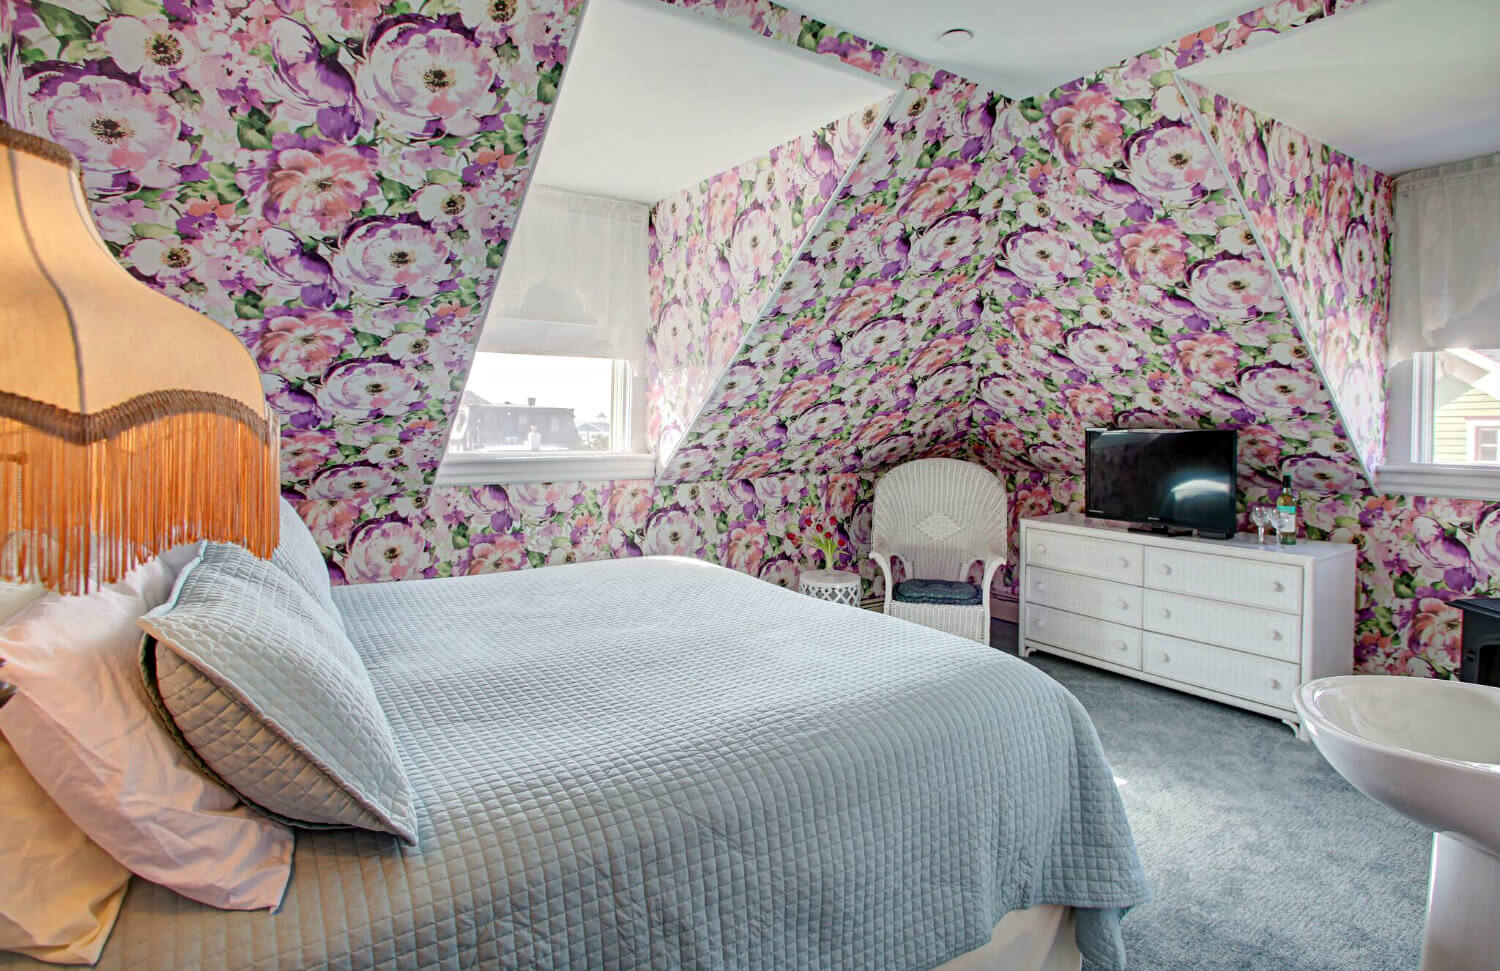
[(61, 893), (80, 724)]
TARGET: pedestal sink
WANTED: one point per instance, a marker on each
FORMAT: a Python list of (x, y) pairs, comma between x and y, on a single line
[(1431, 751)]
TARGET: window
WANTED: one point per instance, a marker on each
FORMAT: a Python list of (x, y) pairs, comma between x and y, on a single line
[(556, 390), (533, 417), (1458, 410), (1484, 440), (1445, 424)]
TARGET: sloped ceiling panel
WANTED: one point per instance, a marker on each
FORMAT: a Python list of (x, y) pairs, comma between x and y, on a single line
[(1129, 291), (1075, 259), (862, 359), (719, 248), (1325, 220)]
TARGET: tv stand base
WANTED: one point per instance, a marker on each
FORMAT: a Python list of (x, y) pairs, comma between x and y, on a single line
[(1159, 530)]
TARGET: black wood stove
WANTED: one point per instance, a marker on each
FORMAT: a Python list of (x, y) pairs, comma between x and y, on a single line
[(1481, 655)]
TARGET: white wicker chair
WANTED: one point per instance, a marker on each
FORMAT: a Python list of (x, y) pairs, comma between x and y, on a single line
[(939, 517)]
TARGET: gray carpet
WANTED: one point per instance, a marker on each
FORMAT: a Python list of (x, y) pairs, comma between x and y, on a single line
[(1259, 855)]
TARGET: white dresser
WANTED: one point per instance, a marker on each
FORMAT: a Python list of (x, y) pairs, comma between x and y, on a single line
[(1224, 619)]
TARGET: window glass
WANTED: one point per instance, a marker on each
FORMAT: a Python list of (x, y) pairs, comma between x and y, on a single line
[(533, 402), (1466, 406)]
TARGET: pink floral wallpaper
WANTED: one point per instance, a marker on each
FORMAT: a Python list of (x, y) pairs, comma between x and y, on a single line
[(718, 249), (861, 359), (740, 524), (1326, 220)]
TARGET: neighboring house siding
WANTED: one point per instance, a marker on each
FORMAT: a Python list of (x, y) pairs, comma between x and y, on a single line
[(1451, 424)]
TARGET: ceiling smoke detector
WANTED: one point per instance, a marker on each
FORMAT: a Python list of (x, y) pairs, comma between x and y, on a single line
[(955, 37)]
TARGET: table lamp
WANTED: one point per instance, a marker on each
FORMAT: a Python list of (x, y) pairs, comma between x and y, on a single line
[(129, 423)]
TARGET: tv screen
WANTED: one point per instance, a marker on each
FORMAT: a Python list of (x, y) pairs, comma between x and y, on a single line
[(1165, 478)]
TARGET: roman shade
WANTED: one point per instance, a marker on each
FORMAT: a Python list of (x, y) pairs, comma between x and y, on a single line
[(574, 281), (1446, 278)]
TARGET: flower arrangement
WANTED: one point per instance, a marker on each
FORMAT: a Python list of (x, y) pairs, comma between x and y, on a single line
[(822, 533)]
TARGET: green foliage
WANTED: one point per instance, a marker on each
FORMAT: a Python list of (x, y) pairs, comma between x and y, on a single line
[(62, 23)]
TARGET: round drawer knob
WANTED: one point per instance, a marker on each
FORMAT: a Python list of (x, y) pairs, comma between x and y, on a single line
[(1166, 570), (1038, 623), (1040, 585), (1123, 604), (1275, 634), (1165, 657), (1041, 547), (1275, 684), (1165, 612), (1278, 586), (1124, 561), (1119, 645)]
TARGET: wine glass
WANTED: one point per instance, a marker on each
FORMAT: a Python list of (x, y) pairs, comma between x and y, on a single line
[(1286, 526), (1262, 514)]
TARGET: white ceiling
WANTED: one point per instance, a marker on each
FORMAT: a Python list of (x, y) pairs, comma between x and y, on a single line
[(656, 99), (1398, 84), (1021, 47)]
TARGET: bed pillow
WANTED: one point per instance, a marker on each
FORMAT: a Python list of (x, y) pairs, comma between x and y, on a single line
[(81, 725), (265, 691), (297, 553), (61, 892)]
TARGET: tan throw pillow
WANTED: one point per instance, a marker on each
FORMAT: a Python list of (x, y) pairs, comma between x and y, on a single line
[(61, 893)]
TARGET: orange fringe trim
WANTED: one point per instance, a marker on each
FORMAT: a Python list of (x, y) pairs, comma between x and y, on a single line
[(84, 499)]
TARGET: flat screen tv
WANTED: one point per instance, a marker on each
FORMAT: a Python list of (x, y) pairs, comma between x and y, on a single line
[(1165, 481)]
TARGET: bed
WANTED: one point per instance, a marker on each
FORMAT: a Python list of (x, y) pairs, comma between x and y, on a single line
[(658, 763)]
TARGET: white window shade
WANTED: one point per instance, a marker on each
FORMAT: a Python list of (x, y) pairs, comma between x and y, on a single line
[(1446, 277), (574, 281)]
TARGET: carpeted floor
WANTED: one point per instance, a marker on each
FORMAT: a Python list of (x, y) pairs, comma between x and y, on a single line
[(1259, 855)]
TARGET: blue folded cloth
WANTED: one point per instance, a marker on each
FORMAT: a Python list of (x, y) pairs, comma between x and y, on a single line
[(953, 593)]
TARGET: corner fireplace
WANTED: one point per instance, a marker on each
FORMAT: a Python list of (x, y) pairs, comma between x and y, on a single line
[(1480, 663)]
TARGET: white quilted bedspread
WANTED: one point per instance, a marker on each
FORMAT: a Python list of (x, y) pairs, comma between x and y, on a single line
[(656, 763)]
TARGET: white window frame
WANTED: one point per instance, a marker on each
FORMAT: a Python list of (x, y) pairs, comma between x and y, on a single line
[(1472, 428), (627, 424), (1409, 469)]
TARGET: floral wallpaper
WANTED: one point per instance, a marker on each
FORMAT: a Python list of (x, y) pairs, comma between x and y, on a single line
[(1128, 291), (717, 250), (1326, 220), (335, 183), (1021, 271), (740, 524), (860, 360)]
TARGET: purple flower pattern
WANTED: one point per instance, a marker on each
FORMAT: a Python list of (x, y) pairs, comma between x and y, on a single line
[(717, 251)]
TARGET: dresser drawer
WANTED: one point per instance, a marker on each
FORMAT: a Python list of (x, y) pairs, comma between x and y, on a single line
[(1256, 679), (1104, 599), (1269, 585), (1084, 635), (1083, 554), (1250, 629)]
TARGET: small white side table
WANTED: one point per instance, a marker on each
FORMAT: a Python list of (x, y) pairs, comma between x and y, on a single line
[(839, 586)]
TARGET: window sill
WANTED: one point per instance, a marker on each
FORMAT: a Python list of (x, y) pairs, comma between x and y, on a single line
[(544, 467), (1449, 481)]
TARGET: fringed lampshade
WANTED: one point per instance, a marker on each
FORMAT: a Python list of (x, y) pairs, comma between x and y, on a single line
[(129, 423)]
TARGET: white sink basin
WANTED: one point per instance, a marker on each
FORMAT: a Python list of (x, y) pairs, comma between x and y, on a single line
[(1431, 751)]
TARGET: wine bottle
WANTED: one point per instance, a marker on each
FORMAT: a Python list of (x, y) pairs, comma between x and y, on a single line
[(1286, 512)]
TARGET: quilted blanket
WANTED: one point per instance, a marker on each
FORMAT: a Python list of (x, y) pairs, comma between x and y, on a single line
[(657, 763)]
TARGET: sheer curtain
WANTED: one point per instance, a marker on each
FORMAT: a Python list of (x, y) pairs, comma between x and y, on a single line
[(1446, 285), (574, 281)]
